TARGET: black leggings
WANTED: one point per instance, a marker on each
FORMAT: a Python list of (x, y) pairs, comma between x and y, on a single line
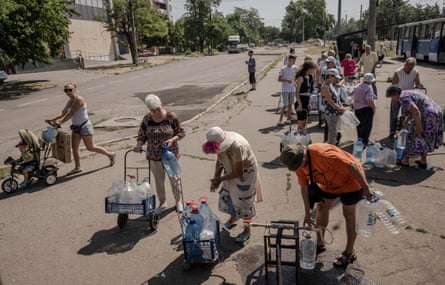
[(302, 115)]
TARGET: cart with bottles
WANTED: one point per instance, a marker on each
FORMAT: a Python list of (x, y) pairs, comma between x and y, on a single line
[(202, 249), (125, 203)]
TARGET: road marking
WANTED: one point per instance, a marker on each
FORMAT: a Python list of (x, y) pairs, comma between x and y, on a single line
[(117, 81), (95, 87), (33, 102)]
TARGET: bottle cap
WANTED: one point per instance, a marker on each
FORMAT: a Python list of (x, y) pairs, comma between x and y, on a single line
[(203, 200), (188, 203), (195, 209)]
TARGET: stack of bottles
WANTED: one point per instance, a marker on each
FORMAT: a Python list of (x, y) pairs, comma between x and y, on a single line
[(296, 137), (377, 155), (130, 192), (199, 222), (369, 210)]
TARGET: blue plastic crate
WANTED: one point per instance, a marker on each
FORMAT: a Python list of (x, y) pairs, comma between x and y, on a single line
[(144, 207), (202, 250)]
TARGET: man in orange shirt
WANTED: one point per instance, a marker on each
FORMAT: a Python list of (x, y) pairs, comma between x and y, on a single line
[(338, 174)]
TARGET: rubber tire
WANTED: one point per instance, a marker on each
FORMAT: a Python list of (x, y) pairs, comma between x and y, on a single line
[(153, 220), (51, 179), (10, 185), (122, 220)]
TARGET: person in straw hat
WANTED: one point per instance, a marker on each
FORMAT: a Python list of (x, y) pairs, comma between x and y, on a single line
[(338, 174), (236, 170)]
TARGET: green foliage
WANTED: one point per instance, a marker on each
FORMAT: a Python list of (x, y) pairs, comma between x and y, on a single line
[(246, 23), (33, 31)]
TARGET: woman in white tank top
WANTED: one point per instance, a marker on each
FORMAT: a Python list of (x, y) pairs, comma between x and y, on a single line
[(82, 128)]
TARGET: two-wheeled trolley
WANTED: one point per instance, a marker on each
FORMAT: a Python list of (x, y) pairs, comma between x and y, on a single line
[(197, 250), (145, 206)]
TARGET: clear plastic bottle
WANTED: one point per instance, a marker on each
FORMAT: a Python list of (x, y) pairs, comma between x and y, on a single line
[(366, 217), (204, 208), (307, 252), (170, 162), (303, 138), (194, 215), (390, 158), (399, 151), (401, 138), (390, 216), (371, 154), (381, 157), (358, 149), (188, 208), (192, 231)]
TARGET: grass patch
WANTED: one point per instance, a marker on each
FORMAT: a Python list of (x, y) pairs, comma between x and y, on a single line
[(421, 230), (4, 171), (24, 87), (288, 181)]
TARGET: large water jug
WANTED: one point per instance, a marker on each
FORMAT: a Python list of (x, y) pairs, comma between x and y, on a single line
[(358, 149), (390, 158), (371, 154), (192, 232), (380, 161), (194, 215), (390, 216), (302, 138), (366, 217), (170, 162), (307, 252), (401, 138), (399, 151)]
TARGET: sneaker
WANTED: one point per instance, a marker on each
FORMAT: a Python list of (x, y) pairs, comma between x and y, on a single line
[(24, 184), (163, 206), (242, 237), (179, 207)]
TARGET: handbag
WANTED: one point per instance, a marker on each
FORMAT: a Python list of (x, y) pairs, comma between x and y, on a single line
[(314, 191)]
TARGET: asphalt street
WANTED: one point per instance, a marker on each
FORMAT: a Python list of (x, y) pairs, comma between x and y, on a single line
[(61, 235)]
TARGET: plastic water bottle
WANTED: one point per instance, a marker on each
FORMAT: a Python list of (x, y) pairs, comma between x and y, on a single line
[(204, 208), (371, 154), (390, 158), (192, 231), (358, 149), (302, 138), (188, 208), (307, 252), (194, 215), (366, 216), (390, 216), (170, 162), (399, 151), (381, 156), (401, 138)]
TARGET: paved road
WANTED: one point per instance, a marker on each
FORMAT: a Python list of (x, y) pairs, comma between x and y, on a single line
[(61, 235)]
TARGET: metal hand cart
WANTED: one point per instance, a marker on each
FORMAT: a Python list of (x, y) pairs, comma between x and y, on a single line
[(199, 251), (145, 207), (278, 235)]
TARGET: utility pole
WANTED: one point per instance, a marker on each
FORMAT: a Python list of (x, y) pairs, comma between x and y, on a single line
[(338, 18), (393, 22), (133, 30), (372, 23)]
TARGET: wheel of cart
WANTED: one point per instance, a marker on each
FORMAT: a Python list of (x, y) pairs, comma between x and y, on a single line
[(145, 207), (199, 251)]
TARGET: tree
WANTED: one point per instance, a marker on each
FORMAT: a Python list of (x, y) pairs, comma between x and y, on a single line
[(269, 34), (150, 25), (33, 31), (198, 20), (246, 23), (312, 13)]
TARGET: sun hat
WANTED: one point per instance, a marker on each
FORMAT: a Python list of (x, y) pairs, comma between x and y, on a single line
[(333, 71), (368, 78), (292, 156), (217, 140), (331, 59)]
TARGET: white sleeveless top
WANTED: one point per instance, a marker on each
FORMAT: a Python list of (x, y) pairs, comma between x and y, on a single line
[(406, 80), (80, 116)]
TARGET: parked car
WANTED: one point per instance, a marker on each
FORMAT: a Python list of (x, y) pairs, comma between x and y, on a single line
[(145, 53), (3, 76)]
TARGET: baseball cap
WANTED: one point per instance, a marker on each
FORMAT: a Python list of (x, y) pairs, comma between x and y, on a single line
[(20, 143), (292, 156)]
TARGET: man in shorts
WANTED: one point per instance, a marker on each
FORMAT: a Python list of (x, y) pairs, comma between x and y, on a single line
[(287, 79), (338, 174), (251, 68)]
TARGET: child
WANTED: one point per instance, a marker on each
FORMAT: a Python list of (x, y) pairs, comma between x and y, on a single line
[(287, 79), (27, 161)]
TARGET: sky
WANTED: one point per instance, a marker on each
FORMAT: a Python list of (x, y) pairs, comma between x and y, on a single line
[(272, 11)]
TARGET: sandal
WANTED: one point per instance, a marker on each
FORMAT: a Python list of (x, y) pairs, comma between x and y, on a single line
[(242, 237), (344, 259), (112, 159), (74, 171), (227, 226), (421, 164), (320, 249)]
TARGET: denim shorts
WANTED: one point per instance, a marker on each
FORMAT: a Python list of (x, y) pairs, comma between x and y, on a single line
[(86, 130)]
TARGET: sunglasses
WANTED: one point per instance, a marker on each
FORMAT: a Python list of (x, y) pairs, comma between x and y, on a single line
[(68, 90)]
